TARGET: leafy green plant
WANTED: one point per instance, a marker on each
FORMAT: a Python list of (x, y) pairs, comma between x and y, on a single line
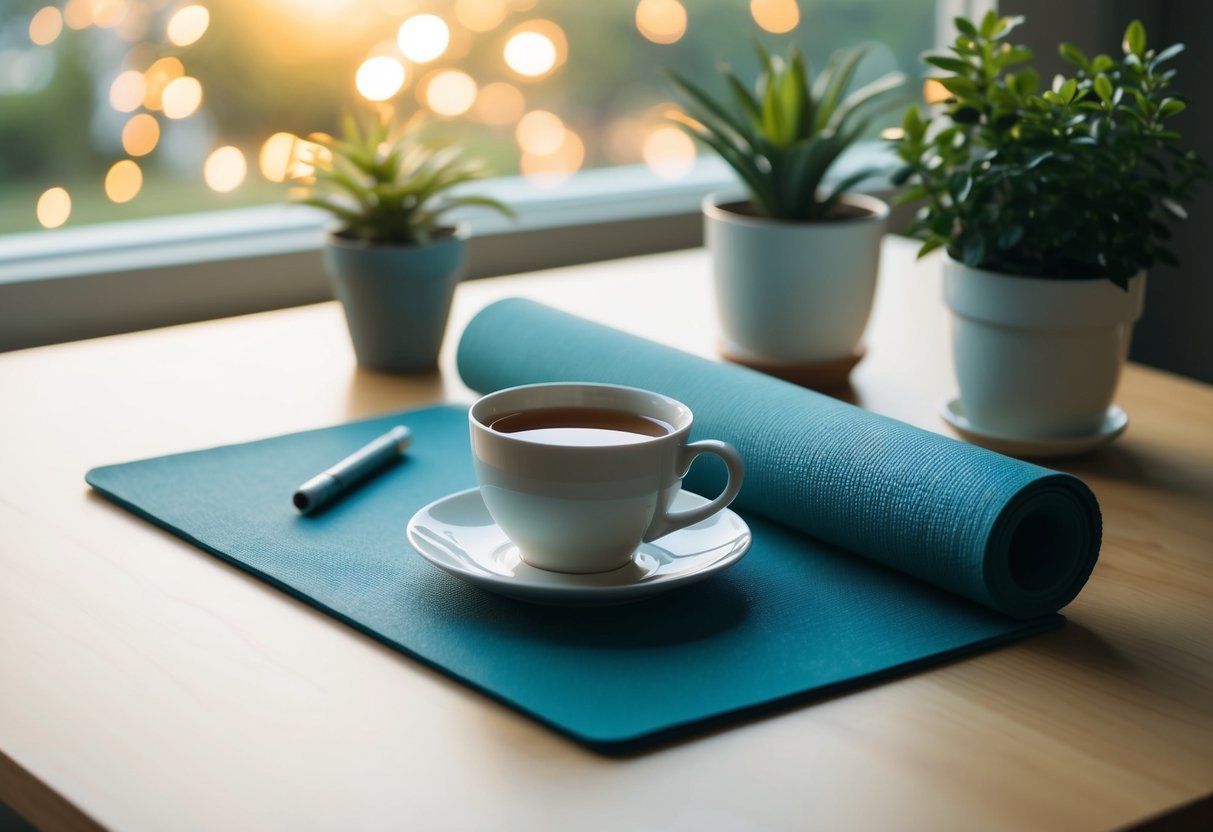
[(390, 185), (783, 138), (1073, 182)]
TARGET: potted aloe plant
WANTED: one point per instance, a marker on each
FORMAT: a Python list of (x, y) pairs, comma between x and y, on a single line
[(393, 258), (1051, 206), (795, 264)]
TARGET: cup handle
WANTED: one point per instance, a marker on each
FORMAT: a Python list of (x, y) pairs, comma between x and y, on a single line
[(671, 521)]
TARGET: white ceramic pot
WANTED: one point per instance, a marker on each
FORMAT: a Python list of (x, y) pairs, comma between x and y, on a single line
[(1038, 358), (796, 292)]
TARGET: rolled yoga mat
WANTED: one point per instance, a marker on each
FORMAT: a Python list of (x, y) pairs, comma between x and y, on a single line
[(1013, 536)]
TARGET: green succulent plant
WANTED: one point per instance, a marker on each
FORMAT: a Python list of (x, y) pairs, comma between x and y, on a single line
[(783, 138), (1077, 181), (388, 184)]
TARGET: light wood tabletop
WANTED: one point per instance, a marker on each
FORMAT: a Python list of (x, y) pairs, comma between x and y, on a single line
[(146, 685)]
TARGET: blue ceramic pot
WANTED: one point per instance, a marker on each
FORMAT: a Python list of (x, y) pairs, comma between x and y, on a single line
[(397, 298)]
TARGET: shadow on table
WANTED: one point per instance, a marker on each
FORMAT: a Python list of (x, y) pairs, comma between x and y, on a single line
[(1141, 464)]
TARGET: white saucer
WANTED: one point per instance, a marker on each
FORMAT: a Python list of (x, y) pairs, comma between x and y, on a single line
[(1114, 424), (457, 535)]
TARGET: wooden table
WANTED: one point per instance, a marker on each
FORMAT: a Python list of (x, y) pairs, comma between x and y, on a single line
[(146, 685)]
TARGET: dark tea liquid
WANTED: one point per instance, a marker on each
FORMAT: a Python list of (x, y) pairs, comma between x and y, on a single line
[(584, 426)]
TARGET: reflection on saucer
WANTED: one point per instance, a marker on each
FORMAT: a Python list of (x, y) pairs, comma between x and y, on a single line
[(457, 535)]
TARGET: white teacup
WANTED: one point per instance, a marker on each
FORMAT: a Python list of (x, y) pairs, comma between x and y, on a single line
[(579, 475)]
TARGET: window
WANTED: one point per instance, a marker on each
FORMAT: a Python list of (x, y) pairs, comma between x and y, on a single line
[(116, 111)]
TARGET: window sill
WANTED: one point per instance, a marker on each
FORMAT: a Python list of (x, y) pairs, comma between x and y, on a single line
[(105, 279)]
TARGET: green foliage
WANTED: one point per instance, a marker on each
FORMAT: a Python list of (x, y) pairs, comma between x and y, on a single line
[(782, 138), (1076, 181), (389, 185)]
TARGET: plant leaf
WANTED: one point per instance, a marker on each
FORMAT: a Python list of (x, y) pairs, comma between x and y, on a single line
[(836, 83), (965, 27), (1166, 54), (844, 185), (1072, 54), (947, 64), (866, 95), (1173, 207), (1134, 42), (710, 113)]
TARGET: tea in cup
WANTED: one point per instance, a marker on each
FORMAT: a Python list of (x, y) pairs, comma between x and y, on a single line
[(578, 475)]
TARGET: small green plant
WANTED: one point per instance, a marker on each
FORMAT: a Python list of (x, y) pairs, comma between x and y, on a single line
[(390, 185), (1077, 181), (783, 138)]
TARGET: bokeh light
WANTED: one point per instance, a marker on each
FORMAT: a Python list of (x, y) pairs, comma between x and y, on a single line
[(140, 134), (535, 48), (530, 54), (480, 15), (379, 78), (225, 169), (540, 133), (187, 25), (499, 104), (54, 207), (934, 92), (423, 37), (450, 92), (661, 21), (776, 16), (182, 97), (274, 160), (123, 181), (892, 134), (550, 169), (128, 91), (45, 25), (78, 14), (158, 76), (669, 152)]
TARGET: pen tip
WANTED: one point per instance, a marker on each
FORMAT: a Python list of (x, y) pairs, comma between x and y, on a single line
[(403, 437)]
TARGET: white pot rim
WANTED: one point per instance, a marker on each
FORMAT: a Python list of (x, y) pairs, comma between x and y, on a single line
[(876, 210), (1025, 302), (1028, 279)]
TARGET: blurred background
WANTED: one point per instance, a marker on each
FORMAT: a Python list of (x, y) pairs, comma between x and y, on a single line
[(120, 109)]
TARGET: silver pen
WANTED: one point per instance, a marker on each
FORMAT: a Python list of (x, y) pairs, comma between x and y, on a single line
[(333, 483)]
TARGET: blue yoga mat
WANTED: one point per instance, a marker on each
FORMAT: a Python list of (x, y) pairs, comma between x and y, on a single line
[(797, 619), (1014, 536)]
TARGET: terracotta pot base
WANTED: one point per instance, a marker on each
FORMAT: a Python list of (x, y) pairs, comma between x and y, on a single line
[(816, 375)]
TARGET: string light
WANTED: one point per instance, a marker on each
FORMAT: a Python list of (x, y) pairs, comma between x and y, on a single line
[(423, 38), (379, 78), (225, 169), (123, 182), (775, 16), (54, 207), (45, 26), (450, 92), (661, 21), (669, 153), (182, 97), (128, 91), (187, 25), (140, 134)]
